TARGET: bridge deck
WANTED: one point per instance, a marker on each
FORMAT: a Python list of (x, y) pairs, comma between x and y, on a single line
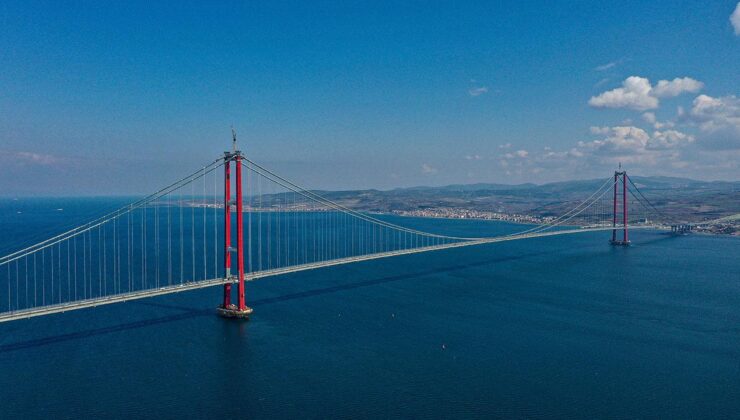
[(123, 297)]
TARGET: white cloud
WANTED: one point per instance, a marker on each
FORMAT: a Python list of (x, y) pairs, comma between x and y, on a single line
[(637, 93), (735, 19), (626, 144), (718, 120), (611, 64), (661, 125), (23, 157), (477, 91), (669, 139), (518, 154), (618, 139), (599, 130), (629, 140), (606, 66), (505, 146), (575, 153), (677, 86), (714, 113), (428, 169), (649, 117), (473, 157), (634, 93)]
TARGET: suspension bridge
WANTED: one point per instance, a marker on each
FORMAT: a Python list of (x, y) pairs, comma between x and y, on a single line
[(234, 221)]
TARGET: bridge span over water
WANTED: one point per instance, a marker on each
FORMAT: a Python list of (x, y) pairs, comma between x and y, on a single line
[(234, 221)]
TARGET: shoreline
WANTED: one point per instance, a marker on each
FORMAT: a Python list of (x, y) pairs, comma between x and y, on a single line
[(736, 234)]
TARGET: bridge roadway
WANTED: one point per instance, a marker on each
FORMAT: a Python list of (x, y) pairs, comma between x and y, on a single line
[(123, 297)]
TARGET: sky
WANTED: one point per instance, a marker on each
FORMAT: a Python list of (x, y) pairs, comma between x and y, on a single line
[(101, 98)]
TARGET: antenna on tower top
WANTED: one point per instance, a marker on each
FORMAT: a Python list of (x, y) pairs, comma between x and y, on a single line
[(233, 139), (620, 163)]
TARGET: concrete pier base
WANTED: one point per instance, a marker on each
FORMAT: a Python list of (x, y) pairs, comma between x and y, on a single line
[(232, 311)]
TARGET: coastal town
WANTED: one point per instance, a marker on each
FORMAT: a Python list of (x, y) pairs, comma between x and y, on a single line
[(728, 227), (459, 213)]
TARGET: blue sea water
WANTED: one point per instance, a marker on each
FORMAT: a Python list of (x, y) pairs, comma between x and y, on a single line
[(565, 326)]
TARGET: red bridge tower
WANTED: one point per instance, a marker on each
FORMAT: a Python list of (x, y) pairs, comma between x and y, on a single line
[(227, 309), (620, 175)]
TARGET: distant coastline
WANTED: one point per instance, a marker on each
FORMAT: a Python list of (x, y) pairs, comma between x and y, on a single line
[(724, 229)]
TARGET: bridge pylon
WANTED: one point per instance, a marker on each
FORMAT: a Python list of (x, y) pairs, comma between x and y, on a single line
[(620, 175), (227, 309)]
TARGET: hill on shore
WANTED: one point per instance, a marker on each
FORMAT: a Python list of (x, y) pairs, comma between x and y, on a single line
[(685, 199)]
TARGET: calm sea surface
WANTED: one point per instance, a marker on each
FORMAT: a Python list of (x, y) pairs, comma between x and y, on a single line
[(551, 327)]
